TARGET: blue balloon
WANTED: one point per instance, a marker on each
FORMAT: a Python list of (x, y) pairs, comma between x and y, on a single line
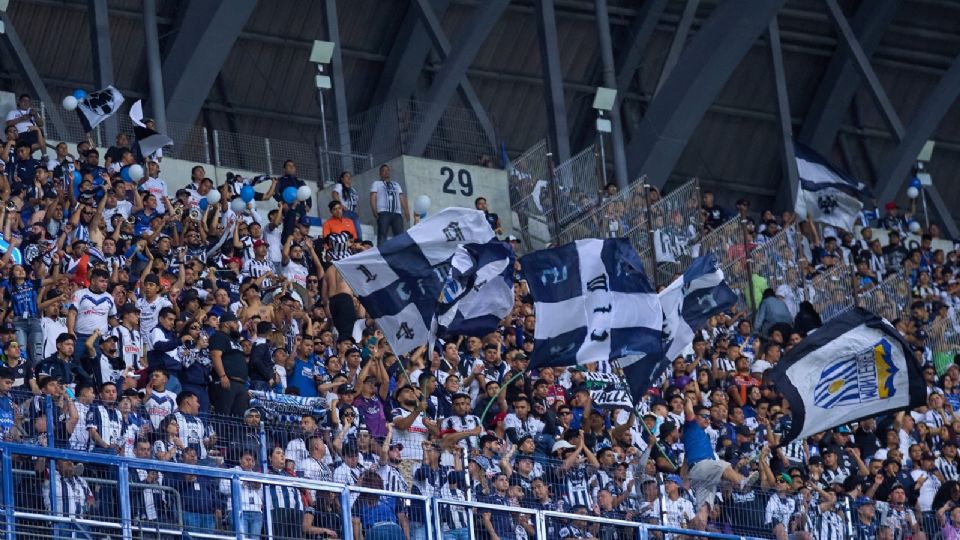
[(125, 174), (290, 195), (247, 193), (915, 182), (79, 93), (204, 203)]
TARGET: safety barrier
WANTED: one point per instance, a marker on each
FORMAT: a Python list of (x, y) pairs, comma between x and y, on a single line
[(578, 187), (530, 201), (890, 298), (943, 338), (777, 262), (676, 222), (215, 503)]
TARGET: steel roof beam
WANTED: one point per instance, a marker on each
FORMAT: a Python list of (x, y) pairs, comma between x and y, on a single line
[(898, 164), (841, 80), (29, 72), (558, 133), (341, 119), (862, 62), (453, 71), (202, 44), (790, 181), (641, 31), (702, 70), (102, 52), (679, 41), (442, 45)]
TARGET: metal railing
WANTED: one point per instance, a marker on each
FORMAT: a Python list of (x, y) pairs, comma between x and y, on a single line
[(529, 177), (227, 149), (279, 521), (677, 226), (387, 131)]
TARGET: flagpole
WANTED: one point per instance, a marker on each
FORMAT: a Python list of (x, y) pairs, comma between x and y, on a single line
[(636, 408), (495, 396)]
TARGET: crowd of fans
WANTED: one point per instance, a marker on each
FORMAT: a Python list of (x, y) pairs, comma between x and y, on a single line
[(139, 323)]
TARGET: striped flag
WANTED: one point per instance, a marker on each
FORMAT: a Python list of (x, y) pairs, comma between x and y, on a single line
[(478, 291), (827, 194), (400, 281)]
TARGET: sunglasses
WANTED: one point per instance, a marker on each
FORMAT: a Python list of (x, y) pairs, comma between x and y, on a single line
[(195, 327), (564, 413)]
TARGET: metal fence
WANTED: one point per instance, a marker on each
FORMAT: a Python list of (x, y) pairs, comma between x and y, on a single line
[(578, 186), (388, 130), (831, 291), (776, 261), (943, 338), (677, 226), (530, 202), (227, 149), (889, 299)]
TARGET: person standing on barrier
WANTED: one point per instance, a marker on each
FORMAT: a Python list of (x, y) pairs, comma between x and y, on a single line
[(705, 472), (389, 205)]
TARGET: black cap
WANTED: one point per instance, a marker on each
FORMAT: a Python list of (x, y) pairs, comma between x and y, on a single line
[(152, 278), (228, 316), (346, 389), (6, 328), (744, 430), (189, 295)]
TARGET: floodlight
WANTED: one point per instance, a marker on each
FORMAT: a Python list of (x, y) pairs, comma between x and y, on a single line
[(927, 151), (603, 100), (321, 53)]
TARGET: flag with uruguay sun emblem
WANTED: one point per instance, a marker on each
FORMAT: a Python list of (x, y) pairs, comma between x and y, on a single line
[(856, 366)]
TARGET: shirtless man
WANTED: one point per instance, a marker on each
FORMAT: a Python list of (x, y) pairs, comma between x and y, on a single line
[(338, 301), (254, 307)]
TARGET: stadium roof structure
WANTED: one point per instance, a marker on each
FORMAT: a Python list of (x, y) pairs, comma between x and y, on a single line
[(703, 90)]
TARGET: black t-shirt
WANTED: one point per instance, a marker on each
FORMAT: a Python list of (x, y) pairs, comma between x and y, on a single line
[(234, 362)]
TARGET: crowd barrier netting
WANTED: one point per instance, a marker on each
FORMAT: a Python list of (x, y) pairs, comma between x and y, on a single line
[(530, 201), (677, 225)]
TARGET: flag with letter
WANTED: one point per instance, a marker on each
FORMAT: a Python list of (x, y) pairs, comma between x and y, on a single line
[(98, 106), (687, 303), (825, 193), (857, 366), (400, 281), (478, 291), (593, 302)]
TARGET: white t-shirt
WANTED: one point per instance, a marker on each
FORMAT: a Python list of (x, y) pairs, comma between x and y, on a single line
[(51, 329), (149, 313), (388, 196), (412, 438), (24, 125), (93, 311), (296, 273), (927, 491), (274, 246), (124, 208), (158, 187)]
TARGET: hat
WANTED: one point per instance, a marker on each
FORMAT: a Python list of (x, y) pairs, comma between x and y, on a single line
[(237, 260), (132, 392), (352, 350), (863, 501), (129, 307), (109, 337), (346, 389), (744, 430), (258, 243), (512, 238), (520, 355), (815, 460), (561, 445), (396, 446), (786, 478), (190, 295), (828, 450), (152, 278), (228, 316), (674, 478), (250, 411), (7, 328), (891, 205), (843, 429)]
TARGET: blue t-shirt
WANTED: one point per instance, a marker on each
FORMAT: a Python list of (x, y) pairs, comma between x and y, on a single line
[(382, 512), (302, 378), (696, 443)]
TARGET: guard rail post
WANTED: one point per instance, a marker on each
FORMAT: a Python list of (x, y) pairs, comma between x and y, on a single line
[(51, 443), (123, 488), (347, 513), (8, 499), (236, 507)]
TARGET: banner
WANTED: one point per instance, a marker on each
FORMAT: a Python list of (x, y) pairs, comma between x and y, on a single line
[(287, 408), (608, 390)]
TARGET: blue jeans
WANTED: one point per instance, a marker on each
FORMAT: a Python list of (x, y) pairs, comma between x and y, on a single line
[(417, 531), (30, 335), (193, 521), (251, 524), (71, 530), (457, 534), (356, 223)]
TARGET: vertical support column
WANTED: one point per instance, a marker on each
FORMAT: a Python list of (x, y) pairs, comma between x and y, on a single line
[(236, 509), (610, 81), (123, 488), (341, 121), (345, 506), (102, 55), (51, 443), (552, 79), (786, 198), (158, 106), (6, 460)]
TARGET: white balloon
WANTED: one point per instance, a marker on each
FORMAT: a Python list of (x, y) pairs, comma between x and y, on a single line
[(303, 193), (913, 192), (136, 172), (237, 205), (213, 197), (70, 103), (914, 227), (421, 204)]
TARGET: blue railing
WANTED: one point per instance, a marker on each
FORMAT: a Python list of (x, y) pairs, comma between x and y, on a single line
[(127, 526)]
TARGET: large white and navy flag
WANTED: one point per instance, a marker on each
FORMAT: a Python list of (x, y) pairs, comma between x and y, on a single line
[(98, 106), (148, 141), (399, 282), (478, 292), (694, 297), (827, 194), (856, 366), (593, 302)]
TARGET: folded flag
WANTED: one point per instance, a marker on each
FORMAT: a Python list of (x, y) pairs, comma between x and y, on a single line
[(148, 141), (694, 297), (857, 366), (98, 106), (399, 282), (593, 302), (478, 291), (827, 194)]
